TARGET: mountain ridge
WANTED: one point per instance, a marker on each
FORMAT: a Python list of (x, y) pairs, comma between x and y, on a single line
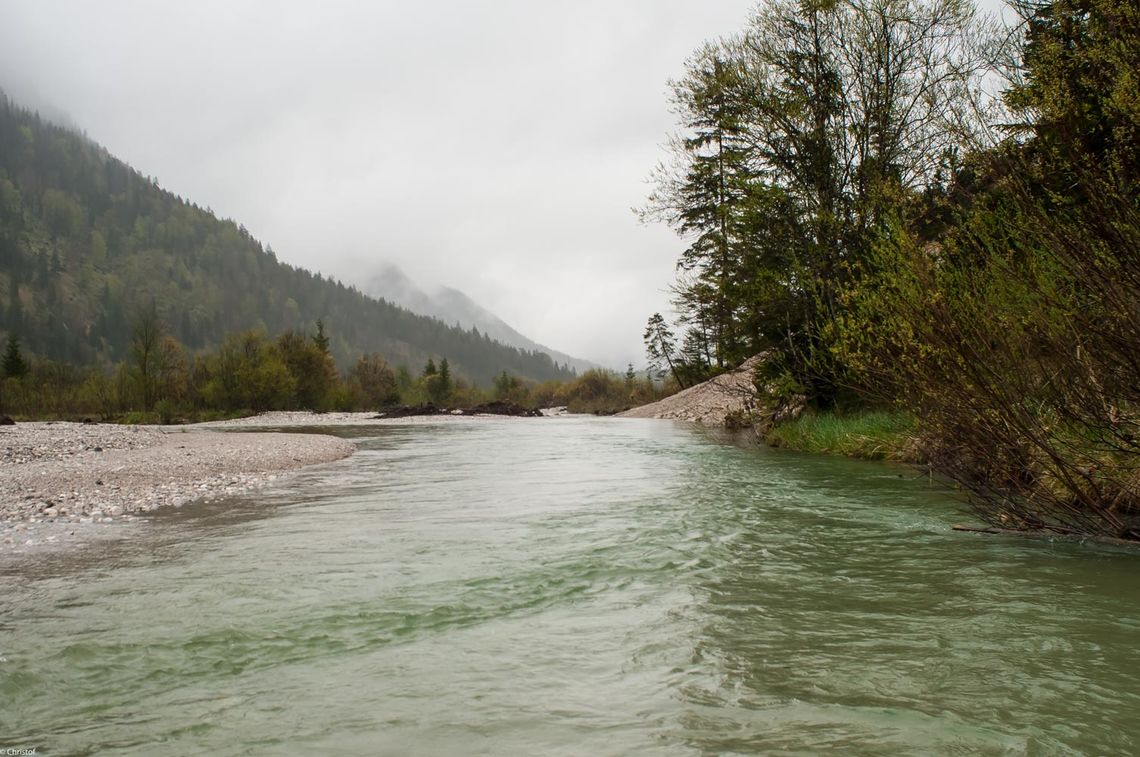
[(453, 306)]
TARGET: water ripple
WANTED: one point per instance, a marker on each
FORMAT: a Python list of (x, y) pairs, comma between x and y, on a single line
[(573, 586)]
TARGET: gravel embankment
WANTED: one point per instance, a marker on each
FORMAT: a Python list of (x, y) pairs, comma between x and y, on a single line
[(57, 477), (708, 403)]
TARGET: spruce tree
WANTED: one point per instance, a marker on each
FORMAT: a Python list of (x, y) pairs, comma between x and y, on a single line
[(14, 364)]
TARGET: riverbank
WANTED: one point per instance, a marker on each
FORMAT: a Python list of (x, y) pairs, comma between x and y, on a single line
[(733, 400), (867, 435), (58, 480)]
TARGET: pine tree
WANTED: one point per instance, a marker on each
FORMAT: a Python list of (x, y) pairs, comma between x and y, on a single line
[(320, 338), (445, 374), (14, 364), (705, 196), (660, 347)]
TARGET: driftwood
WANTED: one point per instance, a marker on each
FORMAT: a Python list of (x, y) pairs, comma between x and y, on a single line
[(497, 407), (1042, 533)]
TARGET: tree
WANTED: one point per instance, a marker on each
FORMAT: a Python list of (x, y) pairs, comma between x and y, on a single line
[(1012, 332), (802, 135), (172, 376), (510, 388), (376, 381), (704, 193), (320, 338), (439, 385), (145, 342), (660, 346), (14, 364), (310, 365), (1078, 96), (248, 372)]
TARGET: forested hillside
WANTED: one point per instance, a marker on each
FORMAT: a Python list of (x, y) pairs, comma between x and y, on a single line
[(87, 243)]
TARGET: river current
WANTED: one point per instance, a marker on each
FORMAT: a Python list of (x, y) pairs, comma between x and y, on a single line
[(572, 586)]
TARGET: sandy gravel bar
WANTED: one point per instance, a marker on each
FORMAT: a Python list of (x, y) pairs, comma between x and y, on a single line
[(69, 473), (290, 418), (708, 403)]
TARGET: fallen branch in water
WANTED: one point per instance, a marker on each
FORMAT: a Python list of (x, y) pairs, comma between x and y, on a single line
[(1042, 533)]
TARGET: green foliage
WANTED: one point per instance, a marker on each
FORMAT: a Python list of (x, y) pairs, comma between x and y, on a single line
[(438, 384), (801, 134), (248, 371), (600, 392), (166, 411), (320, 339), (252, 373), (510, 389), (661, 348), (148, 332), (989, 293), (871, 435), (14, 366), (311, 367), (1013, 342), (1080, 96), (374, 382)]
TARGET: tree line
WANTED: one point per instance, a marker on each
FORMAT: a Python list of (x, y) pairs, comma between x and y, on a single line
[(250, 372), (911, 205)]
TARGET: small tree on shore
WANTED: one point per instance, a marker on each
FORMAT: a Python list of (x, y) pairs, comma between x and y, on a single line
[(660, 347), (439, 385)]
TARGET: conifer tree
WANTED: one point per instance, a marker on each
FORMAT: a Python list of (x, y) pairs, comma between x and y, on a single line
[(14, 364)]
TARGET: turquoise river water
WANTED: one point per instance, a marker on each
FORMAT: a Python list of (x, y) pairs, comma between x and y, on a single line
[(572, 586)]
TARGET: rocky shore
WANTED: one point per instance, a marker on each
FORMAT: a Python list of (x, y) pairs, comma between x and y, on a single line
[(57, 479)]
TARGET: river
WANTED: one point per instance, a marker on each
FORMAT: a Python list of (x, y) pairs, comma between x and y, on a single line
[(572, 586)]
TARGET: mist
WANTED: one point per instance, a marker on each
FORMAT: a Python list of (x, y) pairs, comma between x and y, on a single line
[(496, 148)]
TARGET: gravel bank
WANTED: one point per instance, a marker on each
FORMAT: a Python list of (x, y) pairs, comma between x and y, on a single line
[(291, 418), (56, 479), (708, 403), (288, 418)]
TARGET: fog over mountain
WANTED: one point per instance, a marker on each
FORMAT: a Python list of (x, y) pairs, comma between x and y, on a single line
[(453, 306), (495, 146), (498, 145)]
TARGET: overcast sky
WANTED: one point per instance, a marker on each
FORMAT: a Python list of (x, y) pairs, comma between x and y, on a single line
[(494, 146), (497, 147)]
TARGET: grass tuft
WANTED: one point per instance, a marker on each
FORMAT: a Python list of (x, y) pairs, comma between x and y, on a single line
[(870, 435)]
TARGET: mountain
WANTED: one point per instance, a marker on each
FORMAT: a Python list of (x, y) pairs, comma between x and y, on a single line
[(453, 306), (86, 242)]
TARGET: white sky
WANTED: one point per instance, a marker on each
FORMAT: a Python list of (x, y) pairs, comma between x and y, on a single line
[(496, 146)]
